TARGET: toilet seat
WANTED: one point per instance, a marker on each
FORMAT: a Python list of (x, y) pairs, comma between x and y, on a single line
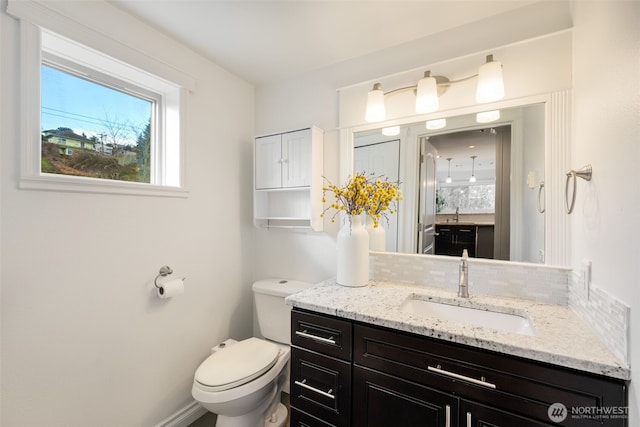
[(237, 364)]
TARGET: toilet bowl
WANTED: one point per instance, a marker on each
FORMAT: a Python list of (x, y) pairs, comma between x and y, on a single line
[(242, 381)]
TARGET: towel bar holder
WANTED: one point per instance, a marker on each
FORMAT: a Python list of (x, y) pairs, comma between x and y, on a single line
[(541, 205), (585, 173)]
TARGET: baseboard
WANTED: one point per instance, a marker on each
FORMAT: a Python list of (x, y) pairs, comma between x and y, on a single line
[(184, 416)]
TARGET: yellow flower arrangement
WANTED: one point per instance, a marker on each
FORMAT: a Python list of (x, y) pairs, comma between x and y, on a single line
[(371, 195)]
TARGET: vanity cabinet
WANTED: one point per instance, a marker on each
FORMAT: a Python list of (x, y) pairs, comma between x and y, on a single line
[(288, 179), (452, 239), (321, 353), (404, 379)]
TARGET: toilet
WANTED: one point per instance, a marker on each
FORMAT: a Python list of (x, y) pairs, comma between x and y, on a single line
[(241, 381)]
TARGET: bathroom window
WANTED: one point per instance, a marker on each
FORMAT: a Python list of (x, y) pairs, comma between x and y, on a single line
[(93, 127), (479, 198), (96, 123)]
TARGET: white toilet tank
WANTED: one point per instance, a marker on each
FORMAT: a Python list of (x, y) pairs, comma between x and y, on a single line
[(273, 315)]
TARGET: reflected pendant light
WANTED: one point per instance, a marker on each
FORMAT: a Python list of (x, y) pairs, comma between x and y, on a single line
[(427, 94), (490, 85), (391, 131), (436, 124), (488, 116), (473, 169), (375, 104), (448, 180)]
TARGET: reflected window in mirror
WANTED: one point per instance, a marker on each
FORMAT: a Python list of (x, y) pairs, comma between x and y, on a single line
[(467, 199)]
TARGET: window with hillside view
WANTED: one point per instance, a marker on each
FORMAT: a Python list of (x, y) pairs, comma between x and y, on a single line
[(91, 129)]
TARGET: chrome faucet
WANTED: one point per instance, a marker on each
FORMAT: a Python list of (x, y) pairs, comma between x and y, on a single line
[(463, 282), (457, 217)]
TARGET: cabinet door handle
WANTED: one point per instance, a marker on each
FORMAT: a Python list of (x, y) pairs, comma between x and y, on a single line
[(304, 384), (447, 416), (304, 334), (481, 382), (468, 419)]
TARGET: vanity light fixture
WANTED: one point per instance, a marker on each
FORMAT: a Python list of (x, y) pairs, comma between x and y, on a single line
[(375, 104), (473, 169), (436, 124), (427, 94), (448, 180), (490, 84), (490, 88), (391, 131), (488, 116)]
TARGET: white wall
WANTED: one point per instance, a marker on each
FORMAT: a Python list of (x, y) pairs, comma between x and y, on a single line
[(84, 339), (606, 132)]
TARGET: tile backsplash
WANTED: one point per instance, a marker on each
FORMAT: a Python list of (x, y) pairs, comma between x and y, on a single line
[(489, 277), (608, 317), (605, 314)]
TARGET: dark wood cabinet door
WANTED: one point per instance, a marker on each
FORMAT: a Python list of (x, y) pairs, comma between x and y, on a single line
[(380, 400), (477, 415)]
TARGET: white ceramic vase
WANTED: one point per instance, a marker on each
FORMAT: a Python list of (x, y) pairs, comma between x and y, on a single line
[(353, 254), (377, 236)]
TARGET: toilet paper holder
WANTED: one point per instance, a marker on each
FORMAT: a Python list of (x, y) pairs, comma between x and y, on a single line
[(165, 270)]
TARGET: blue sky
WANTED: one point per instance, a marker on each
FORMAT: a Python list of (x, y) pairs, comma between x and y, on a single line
[(87, 107)]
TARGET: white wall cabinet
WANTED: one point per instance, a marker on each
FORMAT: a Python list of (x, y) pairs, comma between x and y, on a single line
[(288, 179)]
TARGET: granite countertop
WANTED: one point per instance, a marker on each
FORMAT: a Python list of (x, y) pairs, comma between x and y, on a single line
[(561, 337)]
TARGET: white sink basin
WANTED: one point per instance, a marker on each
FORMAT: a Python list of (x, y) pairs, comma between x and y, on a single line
[(480, 317)]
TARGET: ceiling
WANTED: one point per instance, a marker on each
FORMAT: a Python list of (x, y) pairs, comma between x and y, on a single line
[(267, 41)]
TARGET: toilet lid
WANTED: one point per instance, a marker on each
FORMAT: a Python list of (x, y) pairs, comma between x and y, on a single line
[(237, 364)]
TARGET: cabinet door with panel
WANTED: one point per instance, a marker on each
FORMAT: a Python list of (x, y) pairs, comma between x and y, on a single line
[(268, 167), (283, 160), (382, 400), (296, 159)]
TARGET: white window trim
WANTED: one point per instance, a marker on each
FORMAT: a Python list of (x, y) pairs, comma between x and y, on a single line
[(31, 178)]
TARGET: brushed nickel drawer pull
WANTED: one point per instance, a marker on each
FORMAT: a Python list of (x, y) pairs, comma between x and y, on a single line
[(461, 377), (304, 334), (447, 416), (303, 383)]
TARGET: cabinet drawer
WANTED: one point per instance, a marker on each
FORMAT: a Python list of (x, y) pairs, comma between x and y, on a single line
[(525, 387), (302, 419), (321, 385), (323, 334)]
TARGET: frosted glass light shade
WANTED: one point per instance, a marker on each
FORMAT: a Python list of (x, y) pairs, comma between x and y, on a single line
[(427, 95), (488, 116), (448, 180), (436, 124), (472, 179), (391, 131), (490, 84), (375, 105)]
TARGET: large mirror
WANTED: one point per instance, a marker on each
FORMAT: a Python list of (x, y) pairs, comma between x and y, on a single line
[(467, 185)]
